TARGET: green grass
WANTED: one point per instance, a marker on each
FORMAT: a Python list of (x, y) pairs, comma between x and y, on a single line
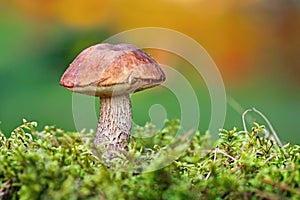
[(56, 164)]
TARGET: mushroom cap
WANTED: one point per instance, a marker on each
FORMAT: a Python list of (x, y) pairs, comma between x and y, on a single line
[(108, 69)]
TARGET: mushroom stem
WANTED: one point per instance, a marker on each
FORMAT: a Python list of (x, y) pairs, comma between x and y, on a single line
[(114, 124)]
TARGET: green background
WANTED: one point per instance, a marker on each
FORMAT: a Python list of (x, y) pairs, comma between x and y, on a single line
[(33, 58)]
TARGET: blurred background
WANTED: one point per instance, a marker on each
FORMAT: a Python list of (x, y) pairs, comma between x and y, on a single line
[(255, 44)]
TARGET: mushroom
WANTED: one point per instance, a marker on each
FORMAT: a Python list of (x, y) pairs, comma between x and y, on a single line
[(112, 72)]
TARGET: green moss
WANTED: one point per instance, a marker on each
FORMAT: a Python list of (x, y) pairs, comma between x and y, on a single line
[(54, 164)]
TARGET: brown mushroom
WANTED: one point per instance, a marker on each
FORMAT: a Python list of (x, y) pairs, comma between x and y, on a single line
[(112, 72)]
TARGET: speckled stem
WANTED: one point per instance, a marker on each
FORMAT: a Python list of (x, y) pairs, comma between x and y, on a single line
[(114, 124)]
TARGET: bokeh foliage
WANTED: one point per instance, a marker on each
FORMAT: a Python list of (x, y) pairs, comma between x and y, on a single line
[(255, 45)]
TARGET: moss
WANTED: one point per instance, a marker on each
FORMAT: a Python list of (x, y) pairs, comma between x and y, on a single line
[(55, 164)]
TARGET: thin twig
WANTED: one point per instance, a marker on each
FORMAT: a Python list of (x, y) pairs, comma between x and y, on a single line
[(265, 195), (270, 126), (270, 158), (245, 127), (233, 170), (281, 186), (214, 161), (202, 151), (243, 119), (229, 156)]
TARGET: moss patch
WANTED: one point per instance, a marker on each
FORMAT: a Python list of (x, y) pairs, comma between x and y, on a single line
[(54, 164)]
